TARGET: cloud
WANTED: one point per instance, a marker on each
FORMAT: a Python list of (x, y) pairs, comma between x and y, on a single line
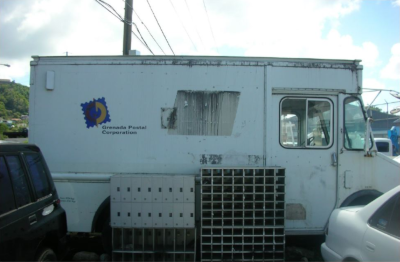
[(392, 69), (396, 3), (240, 27)]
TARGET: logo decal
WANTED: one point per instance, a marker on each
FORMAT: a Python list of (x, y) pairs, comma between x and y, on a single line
[(96, 112)]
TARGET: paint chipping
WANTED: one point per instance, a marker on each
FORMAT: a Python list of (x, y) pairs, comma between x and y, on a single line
[(254, 160), (295, 212), (211, 159)]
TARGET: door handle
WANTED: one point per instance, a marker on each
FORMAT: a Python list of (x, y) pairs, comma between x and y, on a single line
[(32, 220), (370, 246), (334, 159)]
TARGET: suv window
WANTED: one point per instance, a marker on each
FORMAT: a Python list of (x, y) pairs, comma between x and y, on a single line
[(38, 175), (19, 181), (387, 217), (7, 202)]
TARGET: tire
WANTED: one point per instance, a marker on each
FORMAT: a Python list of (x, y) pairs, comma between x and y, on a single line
[(46, 254)]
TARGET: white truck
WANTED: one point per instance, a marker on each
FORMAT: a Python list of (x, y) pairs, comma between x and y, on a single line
[(99, 117)]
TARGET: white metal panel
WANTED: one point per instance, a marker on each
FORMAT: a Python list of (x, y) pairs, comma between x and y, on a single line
[(147, 190), (115, 188), (126, 214), (136, 189), (188, 189), (129, 89), (178, 189), (136, 214), (126, 189), (322, 78), (157, 192), (147, 214), (188, 215), (168, 215)]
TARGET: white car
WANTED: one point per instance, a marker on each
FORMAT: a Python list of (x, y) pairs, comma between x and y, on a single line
[(365, 233)]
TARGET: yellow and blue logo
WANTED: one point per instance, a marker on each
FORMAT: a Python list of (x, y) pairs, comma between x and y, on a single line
[(96, 112)]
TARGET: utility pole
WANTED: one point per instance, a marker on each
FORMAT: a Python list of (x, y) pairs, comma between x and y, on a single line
[(127, 27)]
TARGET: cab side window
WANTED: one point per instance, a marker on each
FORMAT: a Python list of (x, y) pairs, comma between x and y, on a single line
[(19, 181), (38, 175), (387, 217), (7, 202), (306, 123)]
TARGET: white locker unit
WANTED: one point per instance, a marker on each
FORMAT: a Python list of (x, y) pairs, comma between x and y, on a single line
[(156, 183), (168, 187), (136, 185), (115, 188), (147, 215), (152, 213), (188, 189), (168, 215), (126, 189), (136, 214), (188, 215), (146, 189), (178, 188), (153, 201), (157, 215), (126, 215), (116, 214), (178, 215)]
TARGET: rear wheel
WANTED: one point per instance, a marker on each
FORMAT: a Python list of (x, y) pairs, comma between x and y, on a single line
[(46, 254)]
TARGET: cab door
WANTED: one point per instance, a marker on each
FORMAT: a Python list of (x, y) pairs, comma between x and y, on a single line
[(301, 138)]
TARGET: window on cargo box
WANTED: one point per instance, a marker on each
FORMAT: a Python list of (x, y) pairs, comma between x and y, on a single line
[(38, 175), (306, 123), (201, 113), (7, 202), (19, 181)]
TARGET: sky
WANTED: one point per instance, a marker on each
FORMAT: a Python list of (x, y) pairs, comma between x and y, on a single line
[(368, 30)]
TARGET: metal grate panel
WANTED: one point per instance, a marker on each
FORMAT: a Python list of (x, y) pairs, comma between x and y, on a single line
[(154, 244), (243, 214)]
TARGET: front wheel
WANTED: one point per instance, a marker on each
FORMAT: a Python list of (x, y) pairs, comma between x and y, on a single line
[(46, 254)]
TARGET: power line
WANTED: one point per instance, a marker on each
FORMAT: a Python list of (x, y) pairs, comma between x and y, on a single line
[(145, 27), (160, 27), (119, 17), (195, 27), (183, 25), (209, 23)]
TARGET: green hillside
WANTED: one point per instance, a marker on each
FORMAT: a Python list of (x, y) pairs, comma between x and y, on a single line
[(14, 100)]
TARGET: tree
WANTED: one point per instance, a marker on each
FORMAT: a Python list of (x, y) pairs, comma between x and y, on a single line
[(374, 108), (14, 100)]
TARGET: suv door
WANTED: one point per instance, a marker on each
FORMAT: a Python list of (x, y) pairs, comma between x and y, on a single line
[(27, 198)]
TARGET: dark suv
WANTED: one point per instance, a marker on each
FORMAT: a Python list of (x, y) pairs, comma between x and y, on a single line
[(32, 222)]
